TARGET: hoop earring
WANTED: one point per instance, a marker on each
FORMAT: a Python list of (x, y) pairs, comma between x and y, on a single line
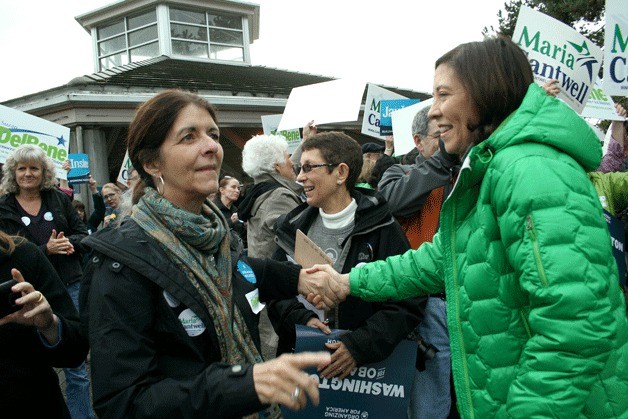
[(163, 186)]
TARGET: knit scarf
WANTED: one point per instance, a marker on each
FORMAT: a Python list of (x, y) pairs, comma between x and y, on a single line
[(199, 245)]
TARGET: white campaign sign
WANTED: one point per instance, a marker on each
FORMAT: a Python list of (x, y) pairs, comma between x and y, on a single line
[(330, 101), (600, 105), (292, 136), (557, 51), (371, 118), (616, 48), (402, 126), (17, 128)]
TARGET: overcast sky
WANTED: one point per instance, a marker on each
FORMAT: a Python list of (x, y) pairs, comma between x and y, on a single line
[(391, 42)]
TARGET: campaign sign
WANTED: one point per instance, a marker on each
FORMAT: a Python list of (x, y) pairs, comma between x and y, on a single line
[(123, 174), (616, 228), (616, 48), (600, 105), (557, 51), (18, 128), (378, 390), (371, 120), (387, 107), (79, 168), (292, 136)]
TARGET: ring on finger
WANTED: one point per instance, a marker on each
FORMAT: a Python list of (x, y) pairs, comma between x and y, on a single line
[(295, 394), (41, 297)]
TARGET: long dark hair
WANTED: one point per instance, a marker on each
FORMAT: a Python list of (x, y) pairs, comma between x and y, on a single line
[(496, 73)]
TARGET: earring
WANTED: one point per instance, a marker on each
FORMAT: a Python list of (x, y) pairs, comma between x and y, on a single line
[(163, 185), (339, 182)]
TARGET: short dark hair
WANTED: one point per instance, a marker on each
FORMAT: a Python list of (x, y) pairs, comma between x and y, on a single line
[(338, 147), (496, 73), (151, 124)]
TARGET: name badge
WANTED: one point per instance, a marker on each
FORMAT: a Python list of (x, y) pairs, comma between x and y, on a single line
[(253, 299), (192, 324)]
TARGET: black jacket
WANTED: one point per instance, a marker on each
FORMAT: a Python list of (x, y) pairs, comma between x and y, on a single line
[(66, 219), (376, 327), (144, 364), (28, 381)]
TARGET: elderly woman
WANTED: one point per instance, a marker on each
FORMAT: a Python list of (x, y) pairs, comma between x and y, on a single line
[(536, 318), (43, 333), (274, 193), (352, 227), (172, 330), (265, 158), (33, 208)]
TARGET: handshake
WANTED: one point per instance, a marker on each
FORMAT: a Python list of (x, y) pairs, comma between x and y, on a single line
[(323, 286)]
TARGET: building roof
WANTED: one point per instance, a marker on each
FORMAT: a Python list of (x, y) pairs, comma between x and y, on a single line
[(203, 76)]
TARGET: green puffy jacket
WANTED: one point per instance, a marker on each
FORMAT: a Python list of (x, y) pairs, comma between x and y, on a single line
[(536, 318)]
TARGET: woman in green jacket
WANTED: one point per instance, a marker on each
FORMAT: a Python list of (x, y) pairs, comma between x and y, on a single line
[(536, 318)]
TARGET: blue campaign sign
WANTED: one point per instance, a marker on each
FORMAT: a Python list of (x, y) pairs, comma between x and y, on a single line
[(378, 390), (79, 168), (387, 107), (616, 228)]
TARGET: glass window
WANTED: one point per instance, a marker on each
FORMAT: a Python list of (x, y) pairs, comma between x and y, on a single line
[(142, 36), (114, 60), (187, 16), (220, 52), (111, 45), (233, 22), (223, 36), (145, 52), (111, 30), (142, 20), (190, 49), (197, 33)]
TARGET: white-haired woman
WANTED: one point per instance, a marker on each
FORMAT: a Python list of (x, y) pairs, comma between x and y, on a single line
[(265, 158)]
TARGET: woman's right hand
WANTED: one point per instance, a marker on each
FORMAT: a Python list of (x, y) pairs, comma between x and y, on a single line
[(309, 130), (282, 380), (58, 244)]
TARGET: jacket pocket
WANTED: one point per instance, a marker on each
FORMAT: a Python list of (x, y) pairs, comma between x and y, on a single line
[(536, 250)]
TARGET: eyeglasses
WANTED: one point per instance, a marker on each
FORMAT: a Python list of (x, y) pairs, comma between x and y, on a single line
[(109, 196), (307, 168)]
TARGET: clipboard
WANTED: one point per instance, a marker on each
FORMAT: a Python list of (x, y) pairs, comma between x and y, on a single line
[(307, 253)]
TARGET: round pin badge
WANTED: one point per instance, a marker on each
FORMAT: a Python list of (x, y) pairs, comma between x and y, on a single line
[(26, 221), (48, 216), (192, 324)]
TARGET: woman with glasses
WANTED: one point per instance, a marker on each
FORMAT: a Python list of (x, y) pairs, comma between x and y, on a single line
[(112, 195), (352, 227)]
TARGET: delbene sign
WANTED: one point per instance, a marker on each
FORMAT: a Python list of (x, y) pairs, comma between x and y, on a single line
[(556, 51), (18, 128), (616, 48)]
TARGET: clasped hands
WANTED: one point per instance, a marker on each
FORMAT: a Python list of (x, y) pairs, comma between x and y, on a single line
[(323, 286)]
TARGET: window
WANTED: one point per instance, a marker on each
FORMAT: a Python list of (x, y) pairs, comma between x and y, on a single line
[(206, 35), (134, 38)]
